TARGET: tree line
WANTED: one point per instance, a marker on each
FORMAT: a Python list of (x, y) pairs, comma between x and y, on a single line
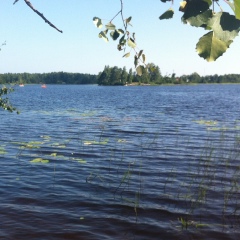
[(113, 76), (116, 76), (48, 78)]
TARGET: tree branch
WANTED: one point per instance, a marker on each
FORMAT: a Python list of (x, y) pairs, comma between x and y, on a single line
[(40, 14), (15, 1), (125, 25)]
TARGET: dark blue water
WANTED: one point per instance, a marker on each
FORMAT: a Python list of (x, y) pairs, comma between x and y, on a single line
[(90, 162)]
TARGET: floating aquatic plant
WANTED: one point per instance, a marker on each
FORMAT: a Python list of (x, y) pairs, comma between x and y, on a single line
[(53, 154), (223, 128), (80, 160), (39, 160), (31, 144), (58, 145), (105, 141), (88, 114), (2, 151), (121, 140), (206, 122)]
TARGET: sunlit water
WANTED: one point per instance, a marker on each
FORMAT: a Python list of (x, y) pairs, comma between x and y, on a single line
[(90, 162)]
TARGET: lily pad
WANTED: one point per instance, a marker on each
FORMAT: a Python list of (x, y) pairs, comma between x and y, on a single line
[(105, 141), (61, 146), (39, 160), (2, 151), (53, 154), (206, 122), (80, 160)]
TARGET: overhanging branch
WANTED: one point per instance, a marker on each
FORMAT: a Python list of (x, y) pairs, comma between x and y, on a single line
[(40, 14)]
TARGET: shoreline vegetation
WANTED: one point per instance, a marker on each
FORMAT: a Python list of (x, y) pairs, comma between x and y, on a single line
[(115, 76)]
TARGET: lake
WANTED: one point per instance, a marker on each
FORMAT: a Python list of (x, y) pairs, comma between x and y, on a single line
[(91, 162)]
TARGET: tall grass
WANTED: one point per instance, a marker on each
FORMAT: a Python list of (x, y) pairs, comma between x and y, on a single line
[(203, 191)]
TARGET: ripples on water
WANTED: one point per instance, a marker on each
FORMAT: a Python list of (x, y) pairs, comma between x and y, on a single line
[(122, 163)]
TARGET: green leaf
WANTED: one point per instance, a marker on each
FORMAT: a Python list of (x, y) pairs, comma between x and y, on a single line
[(105, 32), (237, 8), (97, 22), (128, 20), (36, 160), (119, 47), (140, 53), (135, 61), (103, 36), (210, 48), (122, 41), (200, 20), (140, 70), (114, 35), (143, 58), (2, 151), (110, 26), (126, 55), (167, 15), (193, 9), (120, 31), (133, 36), (45, 161), (183, 6), (80, 160), (225, 26), (131, 43), (39, 160)]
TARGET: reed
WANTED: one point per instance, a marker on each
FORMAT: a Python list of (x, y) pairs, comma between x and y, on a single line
[(211, 178)]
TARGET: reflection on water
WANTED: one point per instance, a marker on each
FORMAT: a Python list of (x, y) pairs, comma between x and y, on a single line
[(89, 162)]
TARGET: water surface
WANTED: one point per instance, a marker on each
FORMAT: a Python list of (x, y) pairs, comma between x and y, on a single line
[(90, 162)]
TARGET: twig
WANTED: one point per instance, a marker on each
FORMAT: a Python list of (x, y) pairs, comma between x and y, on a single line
[(125, 25), (40, 14)]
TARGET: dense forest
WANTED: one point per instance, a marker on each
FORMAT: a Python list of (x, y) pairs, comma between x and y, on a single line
[(48, 78), (153, 76), (114, 76)]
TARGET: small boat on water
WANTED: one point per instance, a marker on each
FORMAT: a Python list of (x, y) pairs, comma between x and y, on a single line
[(21, 85), (43, 86)]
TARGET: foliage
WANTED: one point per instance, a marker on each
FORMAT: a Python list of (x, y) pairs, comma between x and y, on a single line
[(4, 101), (48, 78), (222, 28), (113, 76), (127, 40), (116, 76), (4, 91)]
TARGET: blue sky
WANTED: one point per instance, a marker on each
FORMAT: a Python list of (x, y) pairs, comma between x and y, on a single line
[(33, 46)]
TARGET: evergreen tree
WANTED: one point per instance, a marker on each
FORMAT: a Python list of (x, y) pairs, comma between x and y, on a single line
[(130, 76), (124, 76), (155, 74), (104, 76), (115, 76)]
